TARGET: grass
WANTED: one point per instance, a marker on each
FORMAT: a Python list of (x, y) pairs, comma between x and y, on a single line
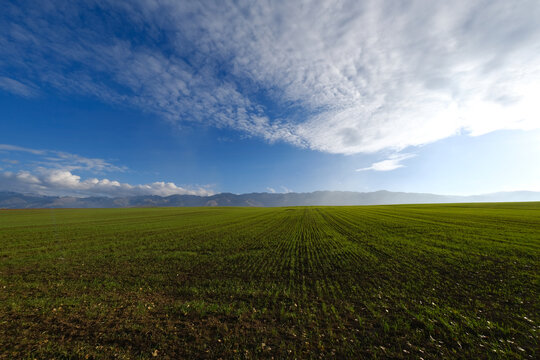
[(422, 281)]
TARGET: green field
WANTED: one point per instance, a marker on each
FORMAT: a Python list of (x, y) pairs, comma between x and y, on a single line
[(415, 281)]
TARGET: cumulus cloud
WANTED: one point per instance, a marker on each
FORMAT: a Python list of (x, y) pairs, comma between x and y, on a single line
[(271, 190), (63, 182), (392, 163), (51, 172), (340, 77)]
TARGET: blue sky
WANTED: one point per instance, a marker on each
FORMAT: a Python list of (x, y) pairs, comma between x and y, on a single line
[(186, 97)]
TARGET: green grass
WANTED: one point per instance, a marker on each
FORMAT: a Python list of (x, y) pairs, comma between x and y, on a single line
[(429, 281)]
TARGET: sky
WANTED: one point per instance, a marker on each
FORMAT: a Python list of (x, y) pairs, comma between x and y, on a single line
[(141, 97)]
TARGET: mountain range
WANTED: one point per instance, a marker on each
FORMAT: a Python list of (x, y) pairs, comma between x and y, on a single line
[(12, 200)]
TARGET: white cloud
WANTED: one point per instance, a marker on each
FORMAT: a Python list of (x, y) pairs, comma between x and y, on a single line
[(51, 173), (392, 163), (63, 182), (341, 77), (7, 148), (285, 189), (62, 160), (16, 87)]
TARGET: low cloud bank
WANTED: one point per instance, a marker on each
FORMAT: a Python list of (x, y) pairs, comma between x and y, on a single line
[(63, 182)]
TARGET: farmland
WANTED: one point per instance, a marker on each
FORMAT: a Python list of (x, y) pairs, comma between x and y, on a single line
[(419, 281)]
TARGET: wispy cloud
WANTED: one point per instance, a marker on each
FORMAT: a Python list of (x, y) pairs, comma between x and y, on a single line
[(10, 161), (392, 163), (285, 189), (7, 147), (63, 182), (340, 77), (17, 87), (61, 160)]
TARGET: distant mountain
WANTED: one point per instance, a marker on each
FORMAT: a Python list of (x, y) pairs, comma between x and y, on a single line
[(11, 200)]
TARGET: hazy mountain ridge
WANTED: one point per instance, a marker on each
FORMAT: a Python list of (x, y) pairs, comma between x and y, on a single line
[(12, 200)]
